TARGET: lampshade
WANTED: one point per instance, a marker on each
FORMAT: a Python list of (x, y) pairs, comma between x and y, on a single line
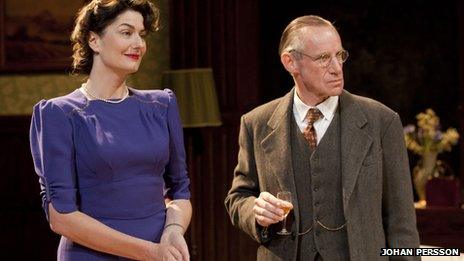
[(196, 96)]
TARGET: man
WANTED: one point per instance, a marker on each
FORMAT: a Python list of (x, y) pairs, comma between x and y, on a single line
[(341, 156)]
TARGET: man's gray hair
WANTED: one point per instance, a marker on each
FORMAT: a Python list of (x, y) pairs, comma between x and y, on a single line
[(292, 37)]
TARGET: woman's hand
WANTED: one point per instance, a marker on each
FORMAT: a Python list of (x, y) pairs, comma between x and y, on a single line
[(164, 252), (173, 235)]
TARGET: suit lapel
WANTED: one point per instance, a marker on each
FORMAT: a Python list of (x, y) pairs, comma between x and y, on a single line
[(355, 143), (276, 145)]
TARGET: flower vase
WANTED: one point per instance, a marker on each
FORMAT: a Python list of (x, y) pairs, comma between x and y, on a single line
[(424, 171)]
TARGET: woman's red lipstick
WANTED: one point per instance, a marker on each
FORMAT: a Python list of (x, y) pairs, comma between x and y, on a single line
[(133, 56)]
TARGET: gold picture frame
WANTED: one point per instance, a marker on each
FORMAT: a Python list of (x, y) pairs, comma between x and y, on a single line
[(34, 35)]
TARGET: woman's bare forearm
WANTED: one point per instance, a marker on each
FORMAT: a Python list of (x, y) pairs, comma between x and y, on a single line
[(178, 213), (89, 232)]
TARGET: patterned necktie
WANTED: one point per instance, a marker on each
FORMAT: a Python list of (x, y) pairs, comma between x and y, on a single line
[(310, 133)]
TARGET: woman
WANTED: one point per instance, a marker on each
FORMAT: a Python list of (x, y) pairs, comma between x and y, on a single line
[(108, 156)]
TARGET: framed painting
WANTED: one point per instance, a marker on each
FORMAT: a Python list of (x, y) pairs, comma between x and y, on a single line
[(34, 35)]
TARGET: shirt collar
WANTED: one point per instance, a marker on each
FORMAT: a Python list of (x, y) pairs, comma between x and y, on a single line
[(326, 107)]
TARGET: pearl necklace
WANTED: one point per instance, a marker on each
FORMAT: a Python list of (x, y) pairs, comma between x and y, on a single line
[(95, 97)]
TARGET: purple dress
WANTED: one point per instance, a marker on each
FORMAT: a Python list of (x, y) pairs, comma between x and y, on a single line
[(113, 162)]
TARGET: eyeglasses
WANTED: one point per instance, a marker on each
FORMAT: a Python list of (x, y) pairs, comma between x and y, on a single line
[(325, 59)]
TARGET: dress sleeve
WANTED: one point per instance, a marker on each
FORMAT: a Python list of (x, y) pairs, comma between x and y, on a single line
[(175, 177), (52, 150)]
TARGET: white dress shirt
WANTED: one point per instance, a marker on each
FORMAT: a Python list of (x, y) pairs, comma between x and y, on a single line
[(327, 108)]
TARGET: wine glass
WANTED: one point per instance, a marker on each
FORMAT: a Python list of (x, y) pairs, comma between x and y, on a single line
[(286, 196)]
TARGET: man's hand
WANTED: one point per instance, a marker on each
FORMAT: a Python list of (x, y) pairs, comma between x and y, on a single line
[(267, 209), (172, 235)]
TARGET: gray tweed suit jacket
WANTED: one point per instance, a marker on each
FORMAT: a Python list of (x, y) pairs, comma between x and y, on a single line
[(377, 190)]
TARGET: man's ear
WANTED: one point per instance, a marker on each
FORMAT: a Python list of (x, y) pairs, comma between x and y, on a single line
[(289, 62), (94, 42)]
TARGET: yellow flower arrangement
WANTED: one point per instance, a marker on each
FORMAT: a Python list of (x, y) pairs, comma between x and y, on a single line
[(428, 137)]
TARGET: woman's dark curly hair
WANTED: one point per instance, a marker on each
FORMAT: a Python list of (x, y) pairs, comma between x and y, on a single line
[(95, 17)]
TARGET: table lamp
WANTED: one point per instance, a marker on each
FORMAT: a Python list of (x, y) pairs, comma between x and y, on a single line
[(196, 96)]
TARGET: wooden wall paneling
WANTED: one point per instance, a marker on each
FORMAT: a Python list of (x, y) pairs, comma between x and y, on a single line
[(217, 34), (248, 89), (218, 152), (2, 40), (441, 226), (25, 231), (205, 171), (212, 236), (460, 6)]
